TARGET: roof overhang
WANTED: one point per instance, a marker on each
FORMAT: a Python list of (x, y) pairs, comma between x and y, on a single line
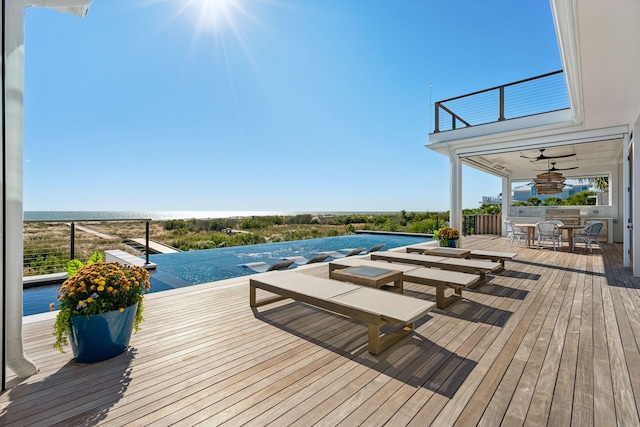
[(501, 154), (598, 49)]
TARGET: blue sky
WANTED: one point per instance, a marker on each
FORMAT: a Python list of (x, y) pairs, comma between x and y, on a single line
[(291, 105)]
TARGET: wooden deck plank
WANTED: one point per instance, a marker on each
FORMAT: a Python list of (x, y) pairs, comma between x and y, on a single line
[(474, 409), (557, 323), (604, 410), (583, 391), (542, 396), (349, 411), (563, 394), (435, 401), (628, 319), (225, 385), (463, 397), (523, 393), (418, 399), (626, 412), (505, 392)]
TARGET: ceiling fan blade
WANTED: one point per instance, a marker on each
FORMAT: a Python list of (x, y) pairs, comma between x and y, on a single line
[(563, 169), (553, 168), (562, 156), (543, 157)]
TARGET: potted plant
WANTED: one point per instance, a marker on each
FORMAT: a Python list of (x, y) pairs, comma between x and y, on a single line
[(447, 236), (100, 305)]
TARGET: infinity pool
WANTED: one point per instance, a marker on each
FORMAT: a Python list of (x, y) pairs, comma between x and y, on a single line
[(194, 267)]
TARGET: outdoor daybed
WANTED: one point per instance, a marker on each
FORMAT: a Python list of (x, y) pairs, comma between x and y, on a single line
[(375, 307)]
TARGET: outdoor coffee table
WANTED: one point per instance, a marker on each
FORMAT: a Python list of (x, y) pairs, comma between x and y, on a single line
[(441, 251), (371, 276)]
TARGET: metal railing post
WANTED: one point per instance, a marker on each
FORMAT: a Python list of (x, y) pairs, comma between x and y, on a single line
[(501, 118), (437, 117), (147, 242), (72, 251)]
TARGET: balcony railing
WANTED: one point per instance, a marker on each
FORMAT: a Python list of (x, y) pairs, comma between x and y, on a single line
[(536, 95), (492, 199), (49, 245)]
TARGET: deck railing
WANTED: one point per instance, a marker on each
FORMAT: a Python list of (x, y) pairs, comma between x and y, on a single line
[(535, 95), (482, 224), (49, 245)]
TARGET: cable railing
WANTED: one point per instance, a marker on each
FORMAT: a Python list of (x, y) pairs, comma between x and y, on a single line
[(536, 95), (49, 245)]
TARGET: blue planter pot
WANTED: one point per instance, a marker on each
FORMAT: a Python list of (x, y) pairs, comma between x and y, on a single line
[(101, 336), (448, 243)]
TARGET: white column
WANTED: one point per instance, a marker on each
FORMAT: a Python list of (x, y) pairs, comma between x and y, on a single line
[(13, 55), (455, 191), (16, 360), (635, 220), (2, 215), (506, 201), (614, 200)]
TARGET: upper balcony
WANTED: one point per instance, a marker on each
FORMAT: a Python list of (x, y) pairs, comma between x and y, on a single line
[(522, 99)]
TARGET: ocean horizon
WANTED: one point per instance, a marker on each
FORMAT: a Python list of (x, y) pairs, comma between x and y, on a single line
[(165, 215)]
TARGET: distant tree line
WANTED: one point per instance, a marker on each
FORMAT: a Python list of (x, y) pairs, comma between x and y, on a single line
[(214, 233), (582, 198)]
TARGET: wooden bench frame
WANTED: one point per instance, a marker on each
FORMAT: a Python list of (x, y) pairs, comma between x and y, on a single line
[(415, 274), (494, 256), (500, 257), (377, 343), (444, 263)]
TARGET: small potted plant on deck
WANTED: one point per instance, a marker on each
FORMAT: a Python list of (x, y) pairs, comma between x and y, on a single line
[(100, 305), (447, 236)]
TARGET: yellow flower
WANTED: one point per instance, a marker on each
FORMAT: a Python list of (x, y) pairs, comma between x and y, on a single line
[(121, 309), (89, 300), (100, 288), (110, 289), (448, 233)]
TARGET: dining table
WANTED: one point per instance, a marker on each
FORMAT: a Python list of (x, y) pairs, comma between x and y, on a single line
[(531, 231)]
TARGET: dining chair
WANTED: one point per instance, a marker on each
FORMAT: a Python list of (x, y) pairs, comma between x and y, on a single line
[(548, 231), (558, 223), (587, 235), (513, 233)]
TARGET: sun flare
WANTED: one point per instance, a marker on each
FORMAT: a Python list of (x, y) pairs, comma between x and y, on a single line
[(213, 14)]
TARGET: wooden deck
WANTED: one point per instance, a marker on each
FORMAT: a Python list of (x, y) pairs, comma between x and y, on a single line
[(552, 340)]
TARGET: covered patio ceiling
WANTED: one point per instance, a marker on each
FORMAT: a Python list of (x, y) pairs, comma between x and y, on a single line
[(591, 159)]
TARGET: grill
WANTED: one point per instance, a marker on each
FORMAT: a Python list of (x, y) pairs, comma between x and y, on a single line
[(567, 216)]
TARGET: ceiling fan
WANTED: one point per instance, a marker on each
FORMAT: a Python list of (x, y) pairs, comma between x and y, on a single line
[(543, 157), (555, 169)]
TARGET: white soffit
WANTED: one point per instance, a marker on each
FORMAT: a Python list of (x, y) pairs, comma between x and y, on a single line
[(607, 36)]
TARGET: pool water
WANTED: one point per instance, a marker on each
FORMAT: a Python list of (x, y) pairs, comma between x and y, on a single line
[(194, 267)]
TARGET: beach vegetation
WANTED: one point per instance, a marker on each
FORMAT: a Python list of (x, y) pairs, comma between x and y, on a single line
[(46, 247)]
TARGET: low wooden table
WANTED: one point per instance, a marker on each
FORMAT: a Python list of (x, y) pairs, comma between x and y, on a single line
[(442, 251), (372, 277)]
